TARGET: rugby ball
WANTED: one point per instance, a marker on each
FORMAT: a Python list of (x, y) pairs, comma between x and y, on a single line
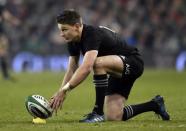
[(38, 106)]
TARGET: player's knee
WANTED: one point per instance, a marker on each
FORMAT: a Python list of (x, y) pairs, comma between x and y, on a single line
[(114, 113), (114, 116), (98, 63)]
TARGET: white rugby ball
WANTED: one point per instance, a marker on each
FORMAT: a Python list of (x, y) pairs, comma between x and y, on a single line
[(38, 106)]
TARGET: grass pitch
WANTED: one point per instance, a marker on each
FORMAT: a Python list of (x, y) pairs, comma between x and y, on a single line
[(14, 117)]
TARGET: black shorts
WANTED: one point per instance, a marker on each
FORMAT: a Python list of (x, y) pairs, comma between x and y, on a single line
[(133, 68)]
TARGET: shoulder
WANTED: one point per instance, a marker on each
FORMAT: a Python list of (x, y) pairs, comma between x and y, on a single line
[(90, 32), (90, 28)]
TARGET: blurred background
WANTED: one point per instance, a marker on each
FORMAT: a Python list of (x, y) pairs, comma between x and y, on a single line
[(156, 27)]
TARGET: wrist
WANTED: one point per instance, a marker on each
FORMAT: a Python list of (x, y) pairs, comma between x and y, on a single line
[(66, 88)]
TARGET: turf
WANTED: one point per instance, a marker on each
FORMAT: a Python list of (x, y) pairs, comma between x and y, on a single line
[(14, 117)]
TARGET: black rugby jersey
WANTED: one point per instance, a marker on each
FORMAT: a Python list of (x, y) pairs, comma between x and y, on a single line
[(102, 39)]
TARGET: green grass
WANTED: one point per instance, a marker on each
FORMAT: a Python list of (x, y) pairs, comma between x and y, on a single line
[(13, 114)]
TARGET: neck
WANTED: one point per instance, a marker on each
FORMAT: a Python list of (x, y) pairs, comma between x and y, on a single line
[(80, 33)]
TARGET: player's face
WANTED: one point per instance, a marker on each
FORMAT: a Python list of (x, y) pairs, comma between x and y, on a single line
[(69, 32)]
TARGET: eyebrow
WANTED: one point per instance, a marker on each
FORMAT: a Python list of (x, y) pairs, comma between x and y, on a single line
[(63, 27)]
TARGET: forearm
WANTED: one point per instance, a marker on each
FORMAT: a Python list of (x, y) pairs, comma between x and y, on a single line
[(80, 75), (83, 71), (72, 67), (67, 77)]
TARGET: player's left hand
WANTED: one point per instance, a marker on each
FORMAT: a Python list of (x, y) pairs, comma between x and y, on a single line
[(57, 100)]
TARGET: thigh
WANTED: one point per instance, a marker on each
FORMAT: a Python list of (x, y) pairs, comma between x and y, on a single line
[(133, 66), (120, 86), (112, 64), (114, 106)]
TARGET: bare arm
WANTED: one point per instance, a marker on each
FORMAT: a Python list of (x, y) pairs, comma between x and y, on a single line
[(80, 74), (72, 66), (84, 69)]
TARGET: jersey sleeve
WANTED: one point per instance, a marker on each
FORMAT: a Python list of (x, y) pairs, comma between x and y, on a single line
[(73, 49)]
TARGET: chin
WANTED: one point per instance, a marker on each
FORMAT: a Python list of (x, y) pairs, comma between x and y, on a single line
[(68, 40)]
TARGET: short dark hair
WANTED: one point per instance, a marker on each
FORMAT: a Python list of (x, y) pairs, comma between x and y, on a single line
[(70, 17)]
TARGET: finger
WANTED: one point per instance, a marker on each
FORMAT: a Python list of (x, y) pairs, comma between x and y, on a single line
[(60, 107), (58, 103), (61, 104), (55, 108), (51, 103), (52, 97), (55, 105), (56, 112)]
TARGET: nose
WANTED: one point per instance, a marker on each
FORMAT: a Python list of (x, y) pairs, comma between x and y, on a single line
[(62, 34)]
